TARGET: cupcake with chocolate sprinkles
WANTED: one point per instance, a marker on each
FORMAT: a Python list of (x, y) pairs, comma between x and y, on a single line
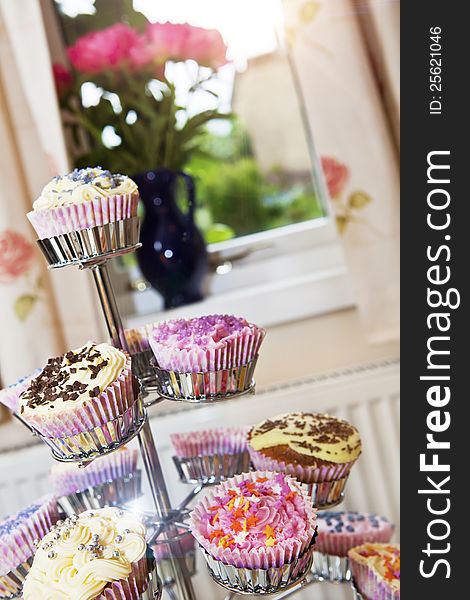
[(81, 390), (82, 199), (318, 449), (10, 395)]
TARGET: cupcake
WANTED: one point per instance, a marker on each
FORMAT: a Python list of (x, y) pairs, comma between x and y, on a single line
[(18, 534), (10, 395), (82, 199), (85, 400), (376, 570), (110, 480), (338, 532), (256, 530), (99, 554), (318, 449), (211, 454), (206, 356)]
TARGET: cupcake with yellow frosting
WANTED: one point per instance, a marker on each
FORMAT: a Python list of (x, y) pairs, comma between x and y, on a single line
[(99, 554), (313, 447), (82, 199), (85, 388)]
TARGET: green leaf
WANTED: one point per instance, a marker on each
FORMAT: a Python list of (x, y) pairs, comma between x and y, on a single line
[(219, 233), (24, 305), (359, 200)]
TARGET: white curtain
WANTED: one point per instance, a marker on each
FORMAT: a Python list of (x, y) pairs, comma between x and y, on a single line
[(352, 132), (41, 313)]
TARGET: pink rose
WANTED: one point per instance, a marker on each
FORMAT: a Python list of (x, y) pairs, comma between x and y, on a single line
[(16, 255), (167, 40), (336, 175), (99, 51), (62, 78), (206, 47), (178, 42)]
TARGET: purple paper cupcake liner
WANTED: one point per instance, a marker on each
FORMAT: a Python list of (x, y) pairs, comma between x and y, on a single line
[(17, 546), (301, 473), (75, 217), (211, 386), (369, 584), (212, 468), (118, 492), (114, 401), (142, 584)]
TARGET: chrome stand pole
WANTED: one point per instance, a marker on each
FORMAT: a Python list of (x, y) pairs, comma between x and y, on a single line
[(109, 305), (161, 499), (148, 450)]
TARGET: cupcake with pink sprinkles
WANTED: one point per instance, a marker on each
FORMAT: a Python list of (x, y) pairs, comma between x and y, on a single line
[(206, 356), (208, 343), (258, 521)]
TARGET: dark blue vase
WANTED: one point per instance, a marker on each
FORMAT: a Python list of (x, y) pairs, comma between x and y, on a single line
[(173, 256)]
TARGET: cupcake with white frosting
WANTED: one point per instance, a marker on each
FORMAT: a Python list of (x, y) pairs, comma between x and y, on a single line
[(79, 391), (99, 554), (82, 199)]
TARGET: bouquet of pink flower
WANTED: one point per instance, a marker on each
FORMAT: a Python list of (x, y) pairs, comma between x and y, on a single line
[(134, 99)]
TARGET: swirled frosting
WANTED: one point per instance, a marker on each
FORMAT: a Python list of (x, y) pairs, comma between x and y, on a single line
[(254, 513), (83, 185), (74, 377), (78, 558), (303, 436)]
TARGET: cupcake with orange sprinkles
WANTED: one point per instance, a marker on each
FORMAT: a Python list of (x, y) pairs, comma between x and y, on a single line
[(257, 531)]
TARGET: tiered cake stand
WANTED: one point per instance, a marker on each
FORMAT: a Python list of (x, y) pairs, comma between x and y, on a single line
[(91, 249)]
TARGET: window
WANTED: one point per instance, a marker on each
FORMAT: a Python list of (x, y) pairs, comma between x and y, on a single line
[(260, 196)]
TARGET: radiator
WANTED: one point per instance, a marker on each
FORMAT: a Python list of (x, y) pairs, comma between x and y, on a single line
[(366, 395)]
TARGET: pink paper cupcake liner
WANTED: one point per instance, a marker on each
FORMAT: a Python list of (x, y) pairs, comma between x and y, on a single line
[(103, 469), (301, 473), (142, 583), (65, 219), (260, 558), (10, 395), (232, 352), (95, 412), (224, 440), (339, 544), (17, 542)]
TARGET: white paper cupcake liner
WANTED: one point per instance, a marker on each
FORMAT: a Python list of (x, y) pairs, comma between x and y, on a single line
[(11, 584), (214, 468), (211, 386), (331, 568), (259, 581), (99, 440), (60, 220), (110, 493), (91, 245)]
